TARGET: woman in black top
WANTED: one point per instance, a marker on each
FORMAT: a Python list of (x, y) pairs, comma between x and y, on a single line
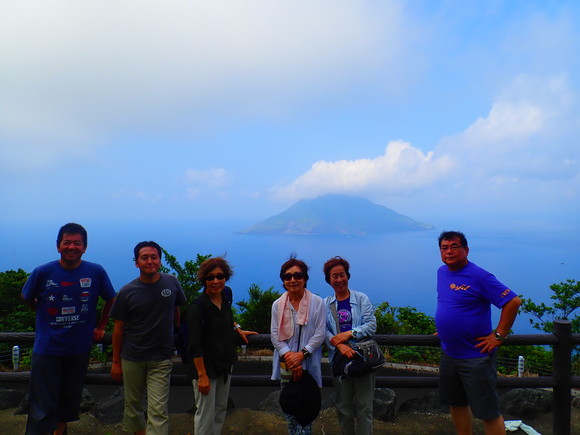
[(211, 345)]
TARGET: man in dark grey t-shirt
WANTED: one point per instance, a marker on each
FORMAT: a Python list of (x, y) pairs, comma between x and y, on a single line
[(146, 312)]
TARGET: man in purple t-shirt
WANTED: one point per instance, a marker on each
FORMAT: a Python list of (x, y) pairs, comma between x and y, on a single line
[(467, 374)]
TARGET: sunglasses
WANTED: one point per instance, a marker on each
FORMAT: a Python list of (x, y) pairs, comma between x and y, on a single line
[(219, 276), (296, 276)]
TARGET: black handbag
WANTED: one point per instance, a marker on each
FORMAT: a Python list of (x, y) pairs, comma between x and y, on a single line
[(354, 367), (302, 398), (371, 353), (368, 357)]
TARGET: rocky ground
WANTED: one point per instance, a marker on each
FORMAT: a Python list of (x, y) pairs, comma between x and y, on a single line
[(243, 421), (245, 418)]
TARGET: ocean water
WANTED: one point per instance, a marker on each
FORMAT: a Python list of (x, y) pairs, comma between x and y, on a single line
[(399, 268)]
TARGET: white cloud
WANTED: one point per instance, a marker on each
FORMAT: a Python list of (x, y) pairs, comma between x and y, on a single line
[(74, 73), (138, 195), (213, 178), (526, 138), (523, 109), (118, 89), (526, 134), (34, 138), (506, 121), (401, 168), (192, 193)]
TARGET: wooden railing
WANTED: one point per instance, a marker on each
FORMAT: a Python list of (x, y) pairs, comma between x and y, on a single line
[(562, 381)]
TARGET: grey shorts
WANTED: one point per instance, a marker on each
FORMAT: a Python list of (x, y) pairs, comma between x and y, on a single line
[(470, 382)]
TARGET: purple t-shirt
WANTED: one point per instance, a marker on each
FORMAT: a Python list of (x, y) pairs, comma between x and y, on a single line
[(67, 305), (344, 314), (464, 299)]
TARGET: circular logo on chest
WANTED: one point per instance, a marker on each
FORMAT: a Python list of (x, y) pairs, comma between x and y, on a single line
[(166, 292)]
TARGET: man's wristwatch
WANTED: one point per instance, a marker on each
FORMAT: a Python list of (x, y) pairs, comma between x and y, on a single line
[(498, 336), (305, 352), (237, 327)]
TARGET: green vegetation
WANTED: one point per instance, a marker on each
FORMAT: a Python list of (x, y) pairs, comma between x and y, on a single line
[(538, 359), (186, 273), (407, 321), (14, 314), (566, 297), (256, 312)]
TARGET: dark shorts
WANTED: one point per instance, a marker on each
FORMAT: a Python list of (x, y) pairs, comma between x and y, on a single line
[(470, 382), (56, 388)]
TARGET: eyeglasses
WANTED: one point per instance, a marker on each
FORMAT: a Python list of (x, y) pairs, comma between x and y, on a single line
[(453, 248), (219, 276), (296, 276)]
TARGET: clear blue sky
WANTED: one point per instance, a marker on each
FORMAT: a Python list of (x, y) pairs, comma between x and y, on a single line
[(446, 111)]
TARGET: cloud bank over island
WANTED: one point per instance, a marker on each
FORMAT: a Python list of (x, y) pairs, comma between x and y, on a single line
[(155, 109)]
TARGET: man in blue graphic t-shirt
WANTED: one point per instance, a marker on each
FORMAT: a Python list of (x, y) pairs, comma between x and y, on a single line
[(467, 374), (64, 293)]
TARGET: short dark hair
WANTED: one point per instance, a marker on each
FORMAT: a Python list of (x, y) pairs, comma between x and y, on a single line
[(449, 235), (148, 244), (210, 264), (71, 228), (333, 262), (295, 262)]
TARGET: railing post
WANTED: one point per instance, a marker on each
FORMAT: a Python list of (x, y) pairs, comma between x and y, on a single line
[(15, 358), (562, 400), (521, 364)]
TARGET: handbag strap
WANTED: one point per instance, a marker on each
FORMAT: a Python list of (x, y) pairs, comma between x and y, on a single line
[(299, 335), (335, 316)]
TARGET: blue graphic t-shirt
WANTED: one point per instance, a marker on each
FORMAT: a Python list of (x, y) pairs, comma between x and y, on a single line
[(344, 314), (66, 311)]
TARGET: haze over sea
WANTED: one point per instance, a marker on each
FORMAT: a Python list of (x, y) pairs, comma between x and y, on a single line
[(395, 267)]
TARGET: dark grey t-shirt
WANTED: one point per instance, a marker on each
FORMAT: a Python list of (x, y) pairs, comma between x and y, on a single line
[(148, 313)]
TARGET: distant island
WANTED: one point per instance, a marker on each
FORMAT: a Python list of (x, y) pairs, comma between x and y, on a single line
[(336, 215)]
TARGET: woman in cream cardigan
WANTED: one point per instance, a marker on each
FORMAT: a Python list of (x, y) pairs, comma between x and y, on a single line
[(297, 331)]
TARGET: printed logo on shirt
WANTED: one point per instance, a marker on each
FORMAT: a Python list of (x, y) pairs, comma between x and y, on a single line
[(84, 308), (66, 298), (455, 287), (67, 319), (51, 297), (85, 282), (50, 283), (52, 311), (84, 296), (344, 316), (67, 310), (66, 283), (505, 293), (166, 292)]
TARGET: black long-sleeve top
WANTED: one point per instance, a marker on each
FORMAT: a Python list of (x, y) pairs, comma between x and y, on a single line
[(211, 336)]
